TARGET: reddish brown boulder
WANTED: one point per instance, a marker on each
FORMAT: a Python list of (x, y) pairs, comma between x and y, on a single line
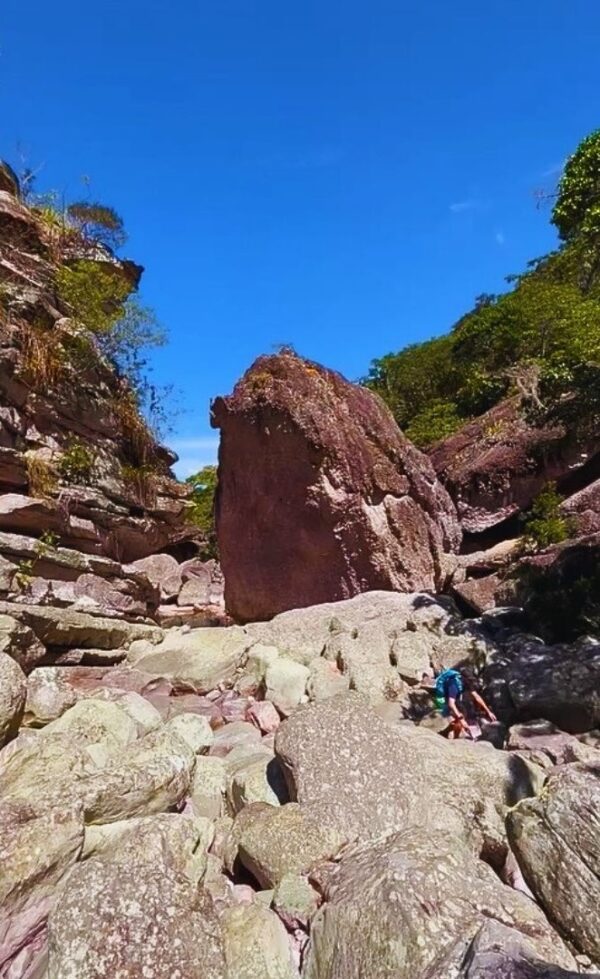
[(495, 465), (584, 508), (320, 495)]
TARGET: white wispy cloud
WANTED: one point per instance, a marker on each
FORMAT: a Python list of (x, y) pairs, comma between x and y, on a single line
[(554, 170), (470, 204), (308, 158), (499, 238), (194, 453)]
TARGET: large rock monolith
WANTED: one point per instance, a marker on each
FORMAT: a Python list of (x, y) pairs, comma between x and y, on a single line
[(320, 494)]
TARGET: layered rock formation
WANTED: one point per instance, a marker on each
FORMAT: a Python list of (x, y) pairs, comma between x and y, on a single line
[(71, 451), (86, 492), (494, 468), (320, 495)]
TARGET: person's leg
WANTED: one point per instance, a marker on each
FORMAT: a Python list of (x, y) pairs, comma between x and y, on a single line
[(456, 729)]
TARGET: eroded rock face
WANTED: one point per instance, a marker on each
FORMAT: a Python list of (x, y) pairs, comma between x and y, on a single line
[(275, 841), (13, 693), (334, 500), (556, 838), (256, 944), (528, 679), (397, 909), (498, 952), (495, 465)]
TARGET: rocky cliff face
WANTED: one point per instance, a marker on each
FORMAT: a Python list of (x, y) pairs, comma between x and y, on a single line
[(70, 442), (85, 488), (494, 468), (320, 495)]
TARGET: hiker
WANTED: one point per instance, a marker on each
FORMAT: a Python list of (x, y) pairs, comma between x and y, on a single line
[(456, 694)]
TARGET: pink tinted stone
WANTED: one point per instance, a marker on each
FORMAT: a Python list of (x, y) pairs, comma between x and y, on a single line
[(264, 715)]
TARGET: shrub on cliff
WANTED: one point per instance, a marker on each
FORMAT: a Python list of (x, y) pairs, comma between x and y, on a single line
[(435, 422), (98, 222), (545, 524)]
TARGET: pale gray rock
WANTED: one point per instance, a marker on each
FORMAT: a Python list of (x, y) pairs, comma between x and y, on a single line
[(151, 776), (176, 841), (295, 901), (556, 838), (48, 696), (36, 849), (285, 684), (254, 778), (66, 628), (18, 640), (154, 922), (13, 693), (195, 730), (256, 944), (398, 908), (208, 787), (304, 632), (201, 659), (325, 680), (386, 777), (411, 655), (273, 842)]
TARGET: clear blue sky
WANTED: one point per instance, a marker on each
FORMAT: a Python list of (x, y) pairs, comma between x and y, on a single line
[(345, 176)]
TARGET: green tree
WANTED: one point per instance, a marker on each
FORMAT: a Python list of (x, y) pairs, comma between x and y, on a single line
[(577, 208), (201, 506), (434, 423), (411, 379)]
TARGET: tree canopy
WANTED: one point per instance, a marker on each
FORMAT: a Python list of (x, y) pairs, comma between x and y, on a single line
[(547, 327)]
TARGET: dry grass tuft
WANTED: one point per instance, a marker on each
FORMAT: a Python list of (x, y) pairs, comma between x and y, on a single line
[(41, 477), (43, 363)]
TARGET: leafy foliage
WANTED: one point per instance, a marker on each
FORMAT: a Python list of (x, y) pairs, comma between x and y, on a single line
[(539, 339), (201, 507), (99, 298), (76, 463), (433, 423), (545, 524), (95, 292), (577, 208)]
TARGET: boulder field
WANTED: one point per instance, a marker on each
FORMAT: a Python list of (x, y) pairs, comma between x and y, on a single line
[(272, 801)]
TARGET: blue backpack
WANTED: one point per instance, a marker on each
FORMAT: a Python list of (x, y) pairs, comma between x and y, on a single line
[(441, 683)]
